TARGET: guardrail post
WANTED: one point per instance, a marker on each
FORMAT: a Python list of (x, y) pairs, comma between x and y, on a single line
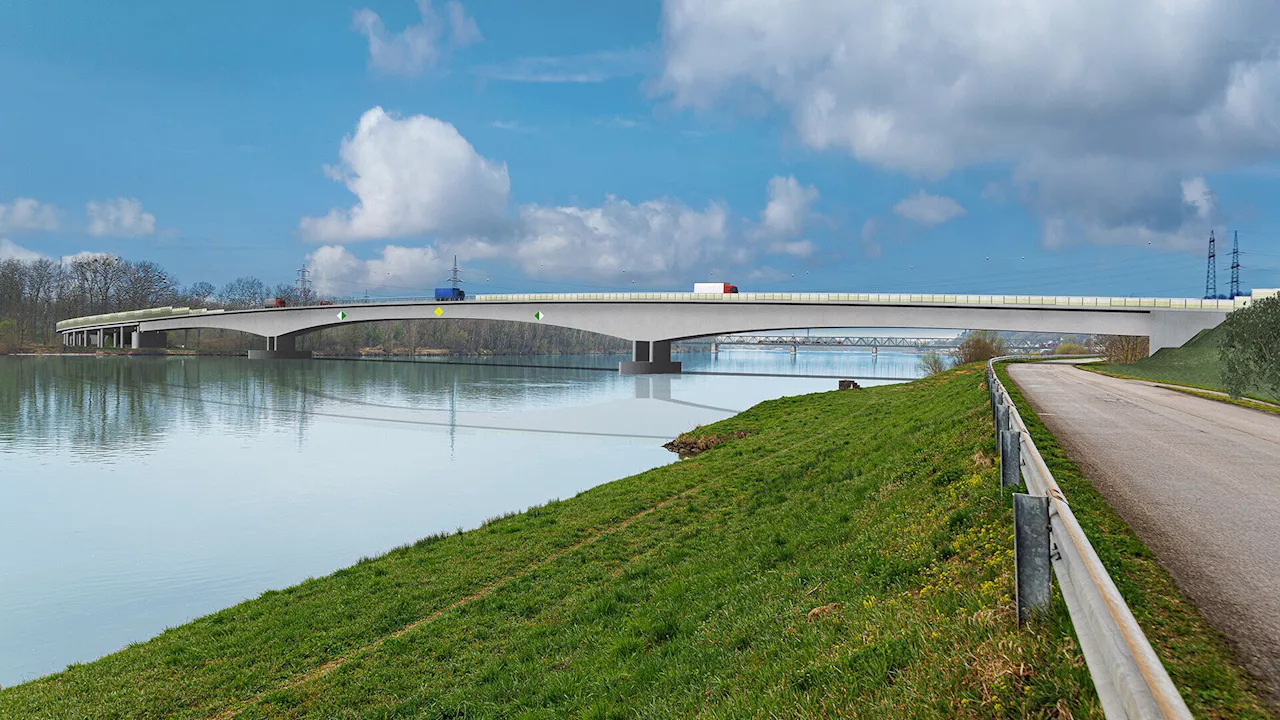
[(997, 401), (1032, 568), (1010, 453)]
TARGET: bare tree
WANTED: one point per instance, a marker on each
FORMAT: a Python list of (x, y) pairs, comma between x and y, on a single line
[(978, 346), (244, 292), (1124, 349)]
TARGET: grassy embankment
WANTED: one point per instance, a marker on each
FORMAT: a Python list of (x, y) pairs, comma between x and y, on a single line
[(1194, 365), (849, 555)]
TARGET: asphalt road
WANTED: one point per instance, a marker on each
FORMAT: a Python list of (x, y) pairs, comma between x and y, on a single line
[(1199, 480)]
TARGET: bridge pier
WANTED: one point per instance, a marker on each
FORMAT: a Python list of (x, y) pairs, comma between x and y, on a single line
[(280, 347), (157, 339), (649, 358)]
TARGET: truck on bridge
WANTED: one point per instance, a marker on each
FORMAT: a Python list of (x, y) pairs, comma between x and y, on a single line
[(717, 288), (450, 294)]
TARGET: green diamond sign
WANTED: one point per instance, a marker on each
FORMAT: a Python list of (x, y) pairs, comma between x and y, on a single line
[(537, 315), (342, 315)]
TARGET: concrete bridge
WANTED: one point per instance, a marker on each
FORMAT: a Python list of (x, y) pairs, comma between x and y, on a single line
[(653, 320)]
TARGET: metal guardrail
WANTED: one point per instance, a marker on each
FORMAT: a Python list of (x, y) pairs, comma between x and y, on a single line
[(1129, 677)]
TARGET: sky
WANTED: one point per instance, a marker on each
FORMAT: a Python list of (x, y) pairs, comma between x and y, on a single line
[(1053, 147)]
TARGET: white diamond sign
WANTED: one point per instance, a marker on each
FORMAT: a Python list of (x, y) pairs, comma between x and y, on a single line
[(342, 315)]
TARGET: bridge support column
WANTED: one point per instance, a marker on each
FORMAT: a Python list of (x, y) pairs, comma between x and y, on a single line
[(280, 347), (157, 339), (649, 358)]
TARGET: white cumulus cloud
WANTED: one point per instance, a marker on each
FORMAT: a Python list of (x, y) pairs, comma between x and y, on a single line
[(787, 206), (121, 217), (27, 214), (658, 240), (1101, 108), (10, 250), (411, 176), (418, 175), (336, 271), (928, 209), (419, 46)]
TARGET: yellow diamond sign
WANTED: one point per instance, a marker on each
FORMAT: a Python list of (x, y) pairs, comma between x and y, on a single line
[(439, 311)]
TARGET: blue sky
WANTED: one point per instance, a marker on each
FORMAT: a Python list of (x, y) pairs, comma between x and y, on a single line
[(573, 145)]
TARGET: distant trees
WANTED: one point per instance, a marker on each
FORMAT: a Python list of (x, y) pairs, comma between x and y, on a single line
[(1250, 349), (34, 295), (1070, 348)]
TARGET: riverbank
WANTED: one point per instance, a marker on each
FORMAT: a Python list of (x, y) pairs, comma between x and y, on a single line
[(844, 552)]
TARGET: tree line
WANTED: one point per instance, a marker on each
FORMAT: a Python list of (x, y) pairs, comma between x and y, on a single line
[(35, 295)]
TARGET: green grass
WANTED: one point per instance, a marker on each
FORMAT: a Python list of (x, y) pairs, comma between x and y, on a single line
[(1195, 364), (1241, 402), (686, 590)]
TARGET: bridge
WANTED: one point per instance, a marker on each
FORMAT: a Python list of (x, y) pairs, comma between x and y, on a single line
[(875, 343), (652, 321)]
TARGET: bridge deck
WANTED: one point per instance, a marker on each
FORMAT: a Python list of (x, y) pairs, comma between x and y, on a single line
[(1025, 301)]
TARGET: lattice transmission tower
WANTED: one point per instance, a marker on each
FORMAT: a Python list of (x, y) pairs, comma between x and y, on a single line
[(1211, 274), (1235, 264), (303, 284)]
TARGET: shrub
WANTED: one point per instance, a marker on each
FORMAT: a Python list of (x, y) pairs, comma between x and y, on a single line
[(1250, 349), (932, 364), (1070, 348)]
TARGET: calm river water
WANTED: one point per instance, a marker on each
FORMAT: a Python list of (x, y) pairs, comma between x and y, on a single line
[(139, 493)]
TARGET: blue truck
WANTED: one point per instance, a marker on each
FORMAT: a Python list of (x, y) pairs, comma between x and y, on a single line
[(450, 293)]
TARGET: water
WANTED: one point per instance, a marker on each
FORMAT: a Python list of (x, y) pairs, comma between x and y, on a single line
[(139, 493)]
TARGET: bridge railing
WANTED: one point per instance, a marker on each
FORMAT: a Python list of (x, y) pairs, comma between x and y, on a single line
[(1129, 677), (949, 299)]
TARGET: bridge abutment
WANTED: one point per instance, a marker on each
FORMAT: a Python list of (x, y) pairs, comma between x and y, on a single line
[(280, 347), (1173, 329), (650, 358)]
